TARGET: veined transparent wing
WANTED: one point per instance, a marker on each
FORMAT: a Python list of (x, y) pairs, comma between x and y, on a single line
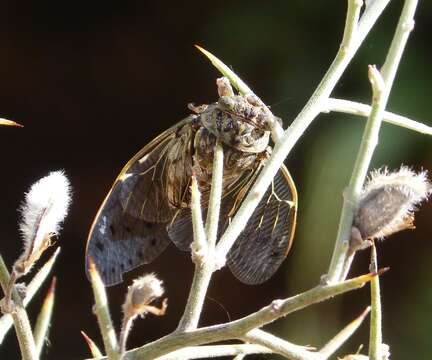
[(264, 243), (130, 226)]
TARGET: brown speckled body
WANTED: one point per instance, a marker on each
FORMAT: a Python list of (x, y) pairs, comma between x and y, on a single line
[(239, 125)]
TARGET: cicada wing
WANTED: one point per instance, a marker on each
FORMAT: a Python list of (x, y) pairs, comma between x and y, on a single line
[(119, 242), (130, 227), (141, 191), (264, 243), (181, 230)]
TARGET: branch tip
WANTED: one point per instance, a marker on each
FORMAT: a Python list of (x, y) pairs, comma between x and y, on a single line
[(94, 350), (52, 288), (382, 271), (6, 122)]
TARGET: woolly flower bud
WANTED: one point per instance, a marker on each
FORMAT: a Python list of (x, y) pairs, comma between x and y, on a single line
[(44, 209), (388, 202), (141, 293)]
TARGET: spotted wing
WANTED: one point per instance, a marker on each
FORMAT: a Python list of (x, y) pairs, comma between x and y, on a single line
[(119, 242), (264, 243), (130, 227)]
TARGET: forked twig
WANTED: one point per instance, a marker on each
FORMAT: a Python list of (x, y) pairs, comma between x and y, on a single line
[(381, 86)]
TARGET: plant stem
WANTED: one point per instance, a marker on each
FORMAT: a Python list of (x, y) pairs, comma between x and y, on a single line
[(342, 257), (280, 346), (125, 330), (6, 320), (24, 333), (381, 86), (342, 336), (351, 23), (20, 318), (300, 124), (103, 315), (375, 337), (213, 212), (202, 255), (44, 318), (94, 350), (211, 351), (238, 328), (199, 245), (240, 356), (240, 85), (5, 122), (356, 108), (203, 248)]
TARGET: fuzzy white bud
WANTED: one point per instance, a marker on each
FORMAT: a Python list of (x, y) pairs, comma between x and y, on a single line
[(42, 212), (388, 201), (141, 293)]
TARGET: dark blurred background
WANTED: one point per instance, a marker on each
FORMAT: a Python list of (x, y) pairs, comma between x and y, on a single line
[(94, 81)]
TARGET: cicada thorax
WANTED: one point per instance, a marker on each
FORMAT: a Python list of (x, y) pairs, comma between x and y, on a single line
[(191, 153), (242, 128), (237, 124), (236, 162)]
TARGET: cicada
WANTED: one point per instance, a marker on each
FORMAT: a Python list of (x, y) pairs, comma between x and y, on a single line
[(148, 205)]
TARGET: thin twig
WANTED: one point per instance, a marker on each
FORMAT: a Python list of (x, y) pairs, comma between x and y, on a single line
[(342, 256), (342, 336), (404, 28), (6, 320), (280, 346), (20, 318), (240, 85), (300, 124), (375, 336), (234, 79), (44, 318), (103, 315), (381, 86), (356, 108), (5, 122), (203, 257), (199, 244), (94, 350), (23, 331), (351, 23), (213, 211), (211, 351), (7, 300), (238, 328), (240, 357), (126, 327)]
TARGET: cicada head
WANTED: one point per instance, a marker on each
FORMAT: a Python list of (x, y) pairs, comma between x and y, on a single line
[(236, 121)]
